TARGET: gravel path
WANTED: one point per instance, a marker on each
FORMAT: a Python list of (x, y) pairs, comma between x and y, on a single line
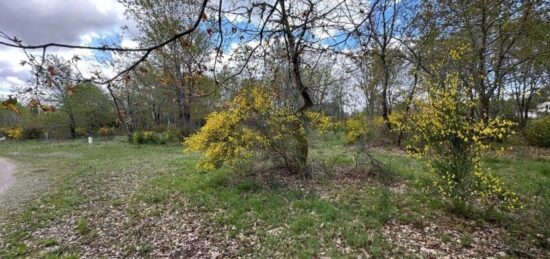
[(7, 169)]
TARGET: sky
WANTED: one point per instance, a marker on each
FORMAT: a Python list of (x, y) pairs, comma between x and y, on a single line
[(60, 21)]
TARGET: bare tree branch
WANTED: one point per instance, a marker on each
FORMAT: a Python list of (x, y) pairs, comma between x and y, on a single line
[(17, 43)]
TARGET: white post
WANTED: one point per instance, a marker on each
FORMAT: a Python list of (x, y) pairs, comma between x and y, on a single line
[(90, 140)]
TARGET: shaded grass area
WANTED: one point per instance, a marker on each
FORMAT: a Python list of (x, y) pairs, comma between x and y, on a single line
[(269, 216), (278, 220)]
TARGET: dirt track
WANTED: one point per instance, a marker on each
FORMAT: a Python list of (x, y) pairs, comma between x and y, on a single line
[(6, 174)]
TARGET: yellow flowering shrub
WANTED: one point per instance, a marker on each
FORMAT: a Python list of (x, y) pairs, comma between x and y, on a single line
[(148, 134), (252, 122), (16, 132), (360, 129), (356, 128), (319, 121), (443, 132), (397, 119)]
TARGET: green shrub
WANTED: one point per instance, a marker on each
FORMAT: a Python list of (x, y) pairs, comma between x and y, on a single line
[(172, 135), (537, 132), (516, 140), (33, 133), (81, 132), (148, 137), (138, 138)]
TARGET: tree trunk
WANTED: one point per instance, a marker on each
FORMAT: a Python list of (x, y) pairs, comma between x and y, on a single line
[(410, 98), (181, 109), (120, 111), (131, 112), (184, 114), (302, 146), (69, 110), (385, 108), (485, 107), (72, 125)]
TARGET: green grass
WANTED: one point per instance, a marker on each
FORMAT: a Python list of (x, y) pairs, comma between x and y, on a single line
[(83, 226), (319, 217), (303, 220)]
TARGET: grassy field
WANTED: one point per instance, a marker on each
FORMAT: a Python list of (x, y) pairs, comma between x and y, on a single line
[(115, 199)]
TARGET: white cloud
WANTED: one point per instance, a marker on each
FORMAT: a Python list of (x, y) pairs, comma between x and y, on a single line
[(39, 21), (128, 43), (109, 7), (14, 80)]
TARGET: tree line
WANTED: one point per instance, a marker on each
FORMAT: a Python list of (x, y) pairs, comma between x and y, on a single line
[(340, 57)]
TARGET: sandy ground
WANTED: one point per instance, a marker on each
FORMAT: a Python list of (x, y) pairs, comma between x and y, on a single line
[(6, 174)]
